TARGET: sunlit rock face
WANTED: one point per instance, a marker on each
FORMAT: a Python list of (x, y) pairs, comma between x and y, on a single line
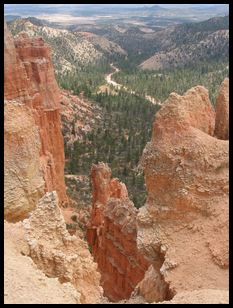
[(23, 179), (185, 218)]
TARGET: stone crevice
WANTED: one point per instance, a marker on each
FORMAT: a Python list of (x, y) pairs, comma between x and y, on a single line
[(112, 234)]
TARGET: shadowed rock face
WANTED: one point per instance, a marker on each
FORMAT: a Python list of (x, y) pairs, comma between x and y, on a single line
[(185, 217), (112, 235), (29, 80)]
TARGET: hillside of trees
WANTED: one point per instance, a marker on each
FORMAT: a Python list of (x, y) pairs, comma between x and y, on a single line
[(86, 79), (119, 141), (161, 83)]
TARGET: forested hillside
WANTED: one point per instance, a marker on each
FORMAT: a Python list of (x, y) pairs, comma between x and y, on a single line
[(160, 83), (119, 141)]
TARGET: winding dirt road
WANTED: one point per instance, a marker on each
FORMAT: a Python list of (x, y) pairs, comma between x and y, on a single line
[(119, 86)]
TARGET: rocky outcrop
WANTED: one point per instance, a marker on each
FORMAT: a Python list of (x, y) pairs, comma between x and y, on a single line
[(29, 80), (24, 283), (112, 235), (222, 112), (57, 253), (184, 221)]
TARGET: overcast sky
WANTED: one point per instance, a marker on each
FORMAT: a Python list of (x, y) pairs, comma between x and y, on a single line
[(35, 9), (109, 5)]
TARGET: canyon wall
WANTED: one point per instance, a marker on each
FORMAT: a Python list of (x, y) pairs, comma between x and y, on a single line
[(111, 235), (185, 217), (29, 81)]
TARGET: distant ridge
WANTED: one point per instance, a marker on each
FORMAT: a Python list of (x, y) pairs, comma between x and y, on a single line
[(189, 43), (11, 17)]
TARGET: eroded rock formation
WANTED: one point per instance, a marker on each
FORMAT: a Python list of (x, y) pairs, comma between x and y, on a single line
[(57, 253), (29, 80), (112, 235), (24, 283), (185, 217)]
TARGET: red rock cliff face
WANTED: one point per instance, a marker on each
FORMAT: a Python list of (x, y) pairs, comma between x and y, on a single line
[(16, 83), (112, 235), (29, 79)]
